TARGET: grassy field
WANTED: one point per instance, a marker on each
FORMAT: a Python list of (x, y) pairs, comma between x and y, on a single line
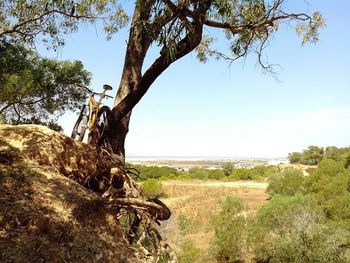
[(193, 204)]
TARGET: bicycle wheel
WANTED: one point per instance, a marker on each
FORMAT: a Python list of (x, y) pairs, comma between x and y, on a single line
[(80, 128), (103, 123)]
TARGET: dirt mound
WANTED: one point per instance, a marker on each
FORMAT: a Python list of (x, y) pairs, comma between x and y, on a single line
[(44, 215)]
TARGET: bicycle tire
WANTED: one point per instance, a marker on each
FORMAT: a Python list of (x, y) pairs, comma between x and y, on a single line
[(79, 128), (103, 123)]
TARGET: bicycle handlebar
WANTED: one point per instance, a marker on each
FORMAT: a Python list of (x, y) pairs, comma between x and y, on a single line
[(101, 94), (92, 92)]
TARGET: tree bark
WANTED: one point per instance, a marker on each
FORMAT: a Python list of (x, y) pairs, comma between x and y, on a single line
[(131, 77), (133, 84)]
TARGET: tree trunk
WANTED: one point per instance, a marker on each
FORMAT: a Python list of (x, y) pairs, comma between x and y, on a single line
[(133, 84), (131, 78)]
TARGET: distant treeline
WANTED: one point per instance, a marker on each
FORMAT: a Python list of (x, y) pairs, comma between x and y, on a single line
[(314, 154), (227, 172)]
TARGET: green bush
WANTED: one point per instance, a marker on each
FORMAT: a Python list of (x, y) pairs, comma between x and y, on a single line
[(164, 172), (329, 183), (241, 174), (189, 253), (313, 155), (255, 173), (294, 229), (152, 188), (216, 174), (229, 225), (199, 173), (289, 182)]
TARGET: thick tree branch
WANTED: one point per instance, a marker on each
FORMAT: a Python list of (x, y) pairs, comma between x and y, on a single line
[(185, 46)]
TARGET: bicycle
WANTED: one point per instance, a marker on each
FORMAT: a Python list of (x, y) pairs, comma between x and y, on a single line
[(94, 118)]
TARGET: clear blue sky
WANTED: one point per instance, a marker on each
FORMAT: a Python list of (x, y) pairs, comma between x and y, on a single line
[(196, 109)]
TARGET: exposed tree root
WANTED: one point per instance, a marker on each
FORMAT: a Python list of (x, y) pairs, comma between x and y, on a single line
[(137, 213)]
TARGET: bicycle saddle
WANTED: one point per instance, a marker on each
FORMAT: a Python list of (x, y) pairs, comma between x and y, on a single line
[(107, 87)]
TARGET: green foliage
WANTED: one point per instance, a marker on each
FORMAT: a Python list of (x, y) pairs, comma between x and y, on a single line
[(295, 157), (289, 182), (228, 168), (216, 174), (189, 253), (25, 21), (294, 229), (166, 173), (254, 13), (307, 219), (156, 172), (229, 225), (34, 89), (152, 187), (311, 156), (314, 154), (330, 184), (199, 173), (255, 173)]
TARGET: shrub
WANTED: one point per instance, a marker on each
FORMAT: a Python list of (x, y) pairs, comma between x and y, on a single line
[(155, 172), (288, 182), (216, 174), (330, 185), (255, 173), (241, 174), (189, 253), (229, 225), (294, 229), (199, 173), (152, 188)]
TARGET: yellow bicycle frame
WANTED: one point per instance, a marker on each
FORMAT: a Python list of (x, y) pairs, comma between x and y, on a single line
[(93, 105)]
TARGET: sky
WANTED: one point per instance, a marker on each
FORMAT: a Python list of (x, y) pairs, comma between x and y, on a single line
[(216, 110)]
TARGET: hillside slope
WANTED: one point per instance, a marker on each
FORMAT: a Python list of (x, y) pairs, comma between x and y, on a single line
[(44, 215)]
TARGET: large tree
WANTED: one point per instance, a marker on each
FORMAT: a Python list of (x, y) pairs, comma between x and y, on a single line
[(34, 89), (176, 27)]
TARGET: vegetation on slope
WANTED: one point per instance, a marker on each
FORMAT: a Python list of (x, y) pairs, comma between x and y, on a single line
[(306, 220)]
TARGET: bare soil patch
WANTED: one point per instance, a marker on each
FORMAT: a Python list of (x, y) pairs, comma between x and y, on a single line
[(198, 201)]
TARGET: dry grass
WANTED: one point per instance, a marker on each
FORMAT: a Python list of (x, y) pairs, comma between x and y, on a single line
[(199, 201)]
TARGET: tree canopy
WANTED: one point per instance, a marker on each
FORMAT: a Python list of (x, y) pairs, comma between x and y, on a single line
[(314, 154), (33, 89), (25, 21)]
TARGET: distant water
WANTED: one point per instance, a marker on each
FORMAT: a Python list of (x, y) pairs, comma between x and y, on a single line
[(200, 158)]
